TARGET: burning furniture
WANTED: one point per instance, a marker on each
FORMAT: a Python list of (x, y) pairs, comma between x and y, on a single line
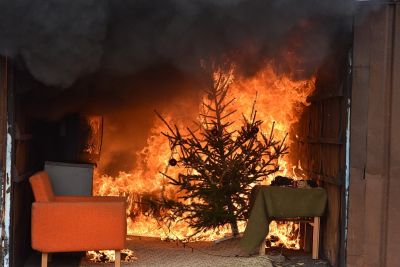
[(283, 203), (69, 223)]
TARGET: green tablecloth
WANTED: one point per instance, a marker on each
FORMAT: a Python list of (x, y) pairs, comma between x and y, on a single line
[(274, 202)]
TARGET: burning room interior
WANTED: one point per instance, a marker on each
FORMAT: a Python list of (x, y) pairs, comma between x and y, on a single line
[(190, 112)]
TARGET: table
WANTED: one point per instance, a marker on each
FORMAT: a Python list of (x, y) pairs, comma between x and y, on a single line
[(274, 202)]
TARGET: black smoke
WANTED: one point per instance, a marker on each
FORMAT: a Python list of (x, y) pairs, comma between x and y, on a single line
[(124, 58), (62, 41)]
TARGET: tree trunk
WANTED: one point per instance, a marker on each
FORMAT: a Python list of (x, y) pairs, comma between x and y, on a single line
[(234, 228), (233, 222)]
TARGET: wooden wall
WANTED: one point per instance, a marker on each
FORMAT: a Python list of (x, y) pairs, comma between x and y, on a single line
[(3, 131), (374, 213), (23, 164), (26, 162), (320, 145)]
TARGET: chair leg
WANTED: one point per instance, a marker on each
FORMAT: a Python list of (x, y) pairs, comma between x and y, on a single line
[(315, 244), (44, 260), (117, 258)]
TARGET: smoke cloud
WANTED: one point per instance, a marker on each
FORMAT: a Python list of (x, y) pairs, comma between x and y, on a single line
[(124, 58), (61, 41)]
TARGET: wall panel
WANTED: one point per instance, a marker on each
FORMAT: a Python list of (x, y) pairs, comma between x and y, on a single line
[(320, 145), (373, 232)]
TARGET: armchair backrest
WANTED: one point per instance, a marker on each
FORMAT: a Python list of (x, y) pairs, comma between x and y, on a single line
[(41, 187)]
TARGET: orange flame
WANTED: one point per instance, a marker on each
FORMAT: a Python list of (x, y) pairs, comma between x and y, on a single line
[(280, 99)]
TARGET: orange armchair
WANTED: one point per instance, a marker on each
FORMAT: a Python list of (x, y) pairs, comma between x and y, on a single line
[(69, 223)]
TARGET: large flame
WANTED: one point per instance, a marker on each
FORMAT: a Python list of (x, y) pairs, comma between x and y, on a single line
[(280, 99)]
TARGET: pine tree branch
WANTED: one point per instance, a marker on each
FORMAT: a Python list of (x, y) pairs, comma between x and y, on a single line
[(228, 114)]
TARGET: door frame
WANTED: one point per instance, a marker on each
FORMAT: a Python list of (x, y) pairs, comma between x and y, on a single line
[(6, 158)]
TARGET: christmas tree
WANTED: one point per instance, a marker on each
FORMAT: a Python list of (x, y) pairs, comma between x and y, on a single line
[(221, 165)]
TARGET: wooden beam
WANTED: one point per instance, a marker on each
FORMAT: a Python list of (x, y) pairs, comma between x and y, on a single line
[(321, 140)]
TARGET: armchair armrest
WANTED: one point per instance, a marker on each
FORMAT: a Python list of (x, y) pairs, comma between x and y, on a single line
[(78, 226)]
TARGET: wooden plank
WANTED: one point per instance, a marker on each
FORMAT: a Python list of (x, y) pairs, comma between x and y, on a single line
[(359, 118), (393, 198), (331, 118), (331, 225), (361, 42), (377, 141), (374, 200), (356, 226), (324, 155), (315, 244), (373, 219), (320, 140), (377, 99), (358, 141)]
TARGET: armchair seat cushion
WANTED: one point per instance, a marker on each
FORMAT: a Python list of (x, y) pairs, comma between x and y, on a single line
[(78, 226)]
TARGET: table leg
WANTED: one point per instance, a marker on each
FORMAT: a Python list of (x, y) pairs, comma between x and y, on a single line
[(315, 244), (262, 248)]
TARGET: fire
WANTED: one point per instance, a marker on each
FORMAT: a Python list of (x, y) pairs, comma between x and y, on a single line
[(106, 256), (280, 99)]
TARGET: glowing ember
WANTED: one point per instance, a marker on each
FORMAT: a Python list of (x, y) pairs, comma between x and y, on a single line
[(280, 99), (106, 256)]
